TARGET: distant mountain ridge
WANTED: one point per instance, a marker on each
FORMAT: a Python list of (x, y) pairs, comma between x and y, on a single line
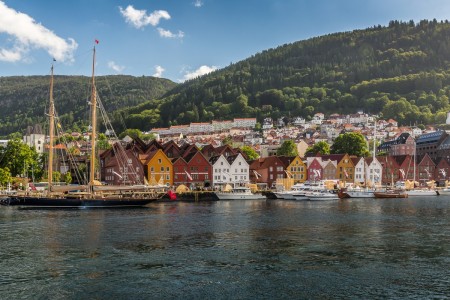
[(24, 99)]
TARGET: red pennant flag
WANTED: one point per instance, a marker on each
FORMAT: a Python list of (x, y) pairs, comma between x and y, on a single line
[(96, 41)]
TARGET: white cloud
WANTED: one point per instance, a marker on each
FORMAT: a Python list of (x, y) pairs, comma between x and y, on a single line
[(140, 18), (198, 3), (158, 71), (26, 35), (169, 34), (115, 67), (199, 72)]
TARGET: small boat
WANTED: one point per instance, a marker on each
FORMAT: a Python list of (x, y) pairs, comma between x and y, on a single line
[(290, 194), (391, 194), (239, 193), (322, 195), (356, 193), (421, 192), (444, 191)]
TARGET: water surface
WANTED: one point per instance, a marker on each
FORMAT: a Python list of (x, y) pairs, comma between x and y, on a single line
[(264, 249)]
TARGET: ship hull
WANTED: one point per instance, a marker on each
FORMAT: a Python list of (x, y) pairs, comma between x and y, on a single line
[(43, 202)]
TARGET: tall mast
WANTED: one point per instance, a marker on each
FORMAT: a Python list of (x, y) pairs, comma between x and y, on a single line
[(93, 124), (51, 114)]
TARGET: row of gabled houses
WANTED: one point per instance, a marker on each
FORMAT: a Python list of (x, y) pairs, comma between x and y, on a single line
[(212, 167)]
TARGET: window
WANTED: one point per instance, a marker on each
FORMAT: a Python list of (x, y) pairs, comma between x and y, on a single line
[(159, 161), (151, 169), (167, 169), (162, 169)]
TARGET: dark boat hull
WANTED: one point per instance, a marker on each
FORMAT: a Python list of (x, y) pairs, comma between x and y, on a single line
[(42, 202), (390, 195)]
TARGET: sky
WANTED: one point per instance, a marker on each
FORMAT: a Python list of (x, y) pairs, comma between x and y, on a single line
[(176, 39)]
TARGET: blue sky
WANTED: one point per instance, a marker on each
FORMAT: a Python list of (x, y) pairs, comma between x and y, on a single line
[(177, 39)]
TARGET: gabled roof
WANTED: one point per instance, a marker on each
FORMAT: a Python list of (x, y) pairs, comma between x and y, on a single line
[(286, 160), (214, 159), (170, 144), (265, 162), (432, 137)]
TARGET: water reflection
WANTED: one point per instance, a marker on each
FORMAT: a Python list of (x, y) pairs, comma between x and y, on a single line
[(357, 248)]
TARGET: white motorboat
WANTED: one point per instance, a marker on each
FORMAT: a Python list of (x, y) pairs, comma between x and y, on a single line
[(239, 193), (444, 191), (291, 194), (421, 192), (322, 195), (360, 193)]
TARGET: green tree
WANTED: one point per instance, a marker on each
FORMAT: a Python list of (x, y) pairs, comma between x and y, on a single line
[(288, 148), (68, 178), (321, 147), (56, 176), (133, 133), (250, 152), (352, 143), (102, 142), (19, 158), (5, 177), (227, 141)]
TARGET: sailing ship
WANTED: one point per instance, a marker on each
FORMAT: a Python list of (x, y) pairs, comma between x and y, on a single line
[(92, 194)]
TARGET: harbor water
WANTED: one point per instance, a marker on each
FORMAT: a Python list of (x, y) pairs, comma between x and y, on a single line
[(243, 249)]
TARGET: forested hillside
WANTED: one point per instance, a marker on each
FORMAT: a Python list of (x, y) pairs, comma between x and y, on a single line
[(24, 100), (401, 71)]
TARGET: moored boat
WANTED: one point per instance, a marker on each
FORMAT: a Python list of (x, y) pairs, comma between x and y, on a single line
[(421, 192), (391, 194), (239, 193), (107, 197)]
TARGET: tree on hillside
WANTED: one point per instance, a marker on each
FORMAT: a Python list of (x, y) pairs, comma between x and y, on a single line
[(288, 148), (321, 147), (133, 133), (352, 143), (250, 152)]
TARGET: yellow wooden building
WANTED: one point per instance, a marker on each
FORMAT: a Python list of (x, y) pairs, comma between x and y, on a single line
[(297, 170), (159, 168)]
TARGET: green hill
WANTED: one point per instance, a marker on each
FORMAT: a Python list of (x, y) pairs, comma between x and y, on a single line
[(400, 71), (24, 99)]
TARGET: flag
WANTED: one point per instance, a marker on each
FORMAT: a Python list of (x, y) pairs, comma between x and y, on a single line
[(256, 174), (443, 172), (32, 187), (120, 176), (316, 173), (188, 175), (403, 173), (289, 175), (428, 173), (345, 173), (96, 41)]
